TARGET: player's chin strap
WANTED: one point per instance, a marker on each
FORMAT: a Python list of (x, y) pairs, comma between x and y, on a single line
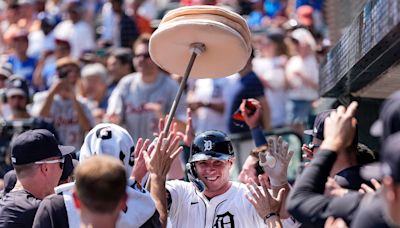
[(192, 175)]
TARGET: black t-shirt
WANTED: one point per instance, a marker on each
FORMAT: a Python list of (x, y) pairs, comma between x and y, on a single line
[(350, 178), (53, 213), (18, 209)]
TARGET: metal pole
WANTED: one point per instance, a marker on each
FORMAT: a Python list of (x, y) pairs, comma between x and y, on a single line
[(196, 48)]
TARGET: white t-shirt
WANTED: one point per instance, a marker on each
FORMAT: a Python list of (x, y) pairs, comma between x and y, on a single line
[(131, 94), (80, 36), (209, 90), (308, 67), (272, 71), (64, 118)]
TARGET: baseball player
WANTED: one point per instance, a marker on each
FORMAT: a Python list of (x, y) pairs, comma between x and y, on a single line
[(211, 199), (59, 210)]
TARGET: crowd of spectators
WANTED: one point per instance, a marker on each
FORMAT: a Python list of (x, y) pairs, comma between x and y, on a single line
[(83, 71)]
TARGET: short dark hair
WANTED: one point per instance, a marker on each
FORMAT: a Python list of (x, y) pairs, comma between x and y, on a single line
[(101, 183), (142, 39), (123, 55)]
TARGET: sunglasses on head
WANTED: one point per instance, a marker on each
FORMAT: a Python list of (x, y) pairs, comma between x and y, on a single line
[(60, 161)]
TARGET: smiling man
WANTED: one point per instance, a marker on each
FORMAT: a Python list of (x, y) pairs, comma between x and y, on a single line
[(214, 200)]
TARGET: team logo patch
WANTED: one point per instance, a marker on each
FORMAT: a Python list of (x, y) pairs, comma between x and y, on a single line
[(207, 145), (224, 221)]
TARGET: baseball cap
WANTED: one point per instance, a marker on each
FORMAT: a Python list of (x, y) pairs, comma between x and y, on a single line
[(17, 86), (389, 117), (319, 122), (389, 164), (304, 36), (6, 69), (112, 140), (69, 166), (305, 15), (36, 145)]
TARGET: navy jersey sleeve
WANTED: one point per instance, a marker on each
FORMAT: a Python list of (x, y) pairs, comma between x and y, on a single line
[(252, 87), (51, 213), (307, 202)]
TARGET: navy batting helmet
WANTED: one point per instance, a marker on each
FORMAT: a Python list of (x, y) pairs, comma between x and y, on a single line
[(211, 145)]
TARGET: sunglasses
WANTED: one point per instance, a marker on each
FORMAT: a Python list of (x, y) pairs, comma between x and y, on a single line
[(144, 55), (60, 161)]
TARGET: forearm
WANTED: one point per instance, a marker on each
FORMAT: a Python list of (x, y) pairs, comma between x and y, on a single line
[(258, 136), (218, 107), (37, 75), (306, 200), (82, 119), (45, 110), (158, 193)]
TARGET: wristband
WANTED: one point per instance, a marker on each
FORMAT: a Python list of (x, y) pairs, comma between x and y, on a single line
[(258, 136), (269, 216)]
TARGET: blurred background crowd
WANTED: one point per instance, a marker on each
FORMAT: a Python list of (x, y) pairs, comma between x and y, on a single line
[(63, 62)]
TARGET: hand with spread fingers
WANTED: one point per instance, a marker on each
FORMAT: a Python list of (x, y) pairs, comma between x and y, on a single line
[(275, 160), (265, 204), (166, 149), (139, 169), (340, 128)]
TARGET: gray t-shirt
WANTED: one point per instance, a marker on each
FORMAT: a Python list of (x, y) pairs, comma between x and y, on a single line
[(130, 96), (64, 118)]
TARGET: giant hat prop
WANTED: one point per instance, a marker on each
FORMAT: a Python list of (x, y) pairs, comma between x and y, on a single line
[(200, 41)]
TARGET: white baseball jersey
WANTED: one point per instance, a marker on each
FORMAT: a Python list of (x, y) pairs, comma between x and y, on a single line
[(189, 208), (130, 96), (64, 118), (140, 207)]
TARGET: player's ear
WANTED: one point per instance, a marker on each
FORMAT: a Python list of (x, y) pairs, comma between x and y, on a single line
[(76, 200)]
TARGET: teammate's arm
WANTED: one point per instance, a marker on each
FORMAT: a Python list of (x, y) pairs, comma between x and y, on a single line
[(158, 164)]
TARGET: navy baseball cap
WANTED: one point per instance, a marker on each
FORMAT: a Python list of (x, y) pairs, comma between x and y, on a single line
[(319, 122), (36, 145), (389, 117), (17, 86), (389, 164)]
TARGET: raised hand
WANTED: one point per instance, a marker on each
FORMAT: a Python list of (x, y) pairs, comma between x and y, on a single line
[(340, 128), (139, 169), (275, 160), (253, 120), (367, 189), (262, 200), (166, 149)]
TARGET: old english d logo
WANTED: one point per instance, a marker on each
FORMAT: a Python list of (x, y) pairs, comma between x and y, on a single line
[(224, 221), (207, 145)]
